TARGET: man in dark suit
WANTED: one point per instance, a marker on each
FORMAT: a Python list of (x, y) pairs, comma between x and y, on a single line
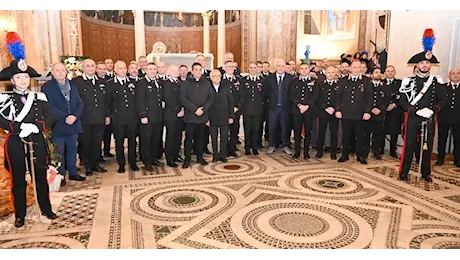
[(67, 105), (394, 114), (220, 115), (277, 86), (264, 130), (121, 107), (448, 119), (196, 96), (91, 91), (228, 56), (252, 89), (354, 99), (150, 104), (303, 98), (173, 116)]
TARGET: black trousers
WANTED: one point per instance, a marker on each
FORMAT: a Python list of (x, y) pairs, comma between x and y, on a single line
[(223, 140), (160, 145), (321, 124), (108, 130), (374, 128), (302, 120), (262, 129), (120, 131), (90, 144), (393, 143), (194, 134), (412, 130), (207, 133), (149, 137), (443, 129), (173, 139), (15, 157), (251, 131), (234, 130), (353, 132)]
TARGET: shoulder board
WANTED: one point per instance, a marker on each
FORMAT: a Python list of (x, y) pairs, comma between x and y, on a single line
[(41, 96), (406, 81), (4, 97)]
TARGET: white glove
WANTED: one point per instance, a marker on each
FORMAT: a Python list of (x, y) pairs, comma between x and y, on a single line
[(27, 129), (425, 112)]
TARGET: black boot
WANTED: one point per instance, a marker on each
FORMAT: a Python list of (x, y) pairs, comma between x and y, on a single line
[(319, 154), (50, 215), (439, 162), (186, 164), (19, 222)]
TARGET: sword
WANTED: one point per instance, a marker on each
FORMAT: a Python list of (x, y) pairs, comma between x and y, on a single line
[(32, 172)]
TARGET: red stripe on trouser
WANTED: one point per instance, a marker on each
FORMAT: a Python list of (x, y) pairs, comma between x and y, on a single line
[(406, 118), (10, 170)]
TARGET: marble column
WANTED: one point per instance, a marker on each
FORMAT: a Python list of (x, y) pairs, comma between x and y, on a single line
[(276, 35), (206, 33), (71, 32), (139, 32), (220, 36)]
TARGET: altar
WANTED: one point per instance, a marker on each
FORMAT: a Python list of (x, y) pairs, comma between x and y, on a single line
[(180, 59)]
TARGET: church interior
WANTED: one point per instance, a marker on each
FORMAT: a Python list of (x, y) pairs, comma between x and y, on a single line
[(255, 201)]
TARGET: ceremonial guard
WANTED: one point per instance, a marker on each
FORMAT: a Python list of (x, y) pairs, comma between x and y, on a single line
[(394, 113), (252, 101), (325, 108), (150, 105), (121, 107), (422, 96), (25, 115), (448, 119), (354, 100), (303, 98), (93, 118), (374, 127)]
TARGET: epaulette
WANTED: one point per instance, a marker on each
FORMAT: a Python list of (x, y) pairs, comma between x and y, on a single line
[(439, 79), (406, 80), (4, 97), (41, 96)]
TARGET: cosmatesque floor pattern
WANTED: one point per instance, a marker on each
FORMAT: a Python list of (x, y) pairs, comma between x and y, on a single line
[(251, 202)]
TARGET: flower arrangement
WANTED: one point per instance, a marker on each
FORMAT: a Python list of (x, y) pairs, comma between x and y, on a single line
[(73, 65), (54, 155)]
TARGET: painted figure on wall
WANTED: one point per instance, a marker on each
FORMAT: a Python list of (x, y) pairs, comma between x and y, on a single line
[(341, 24)]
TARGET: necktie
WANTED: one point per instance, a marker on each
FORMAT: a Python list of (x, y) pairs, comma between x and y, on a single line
[(93, 81), (280, 92)]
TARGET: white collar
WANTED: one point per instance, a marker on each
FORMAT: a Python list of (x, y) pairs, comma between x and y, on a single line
[(20, 92), (110, 73), (121, 79), (278, 75), (86, 77)]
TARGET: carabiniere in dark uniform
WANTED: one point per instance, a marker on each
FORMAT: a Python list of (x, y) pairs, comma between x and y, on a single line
[(354, 99), (326, 98), (121, 107), (253, 99), (91, 91), (237, 102), (393, 118), (374, 126), (150, 103), (303, 93), (448, 119), (174, 124)]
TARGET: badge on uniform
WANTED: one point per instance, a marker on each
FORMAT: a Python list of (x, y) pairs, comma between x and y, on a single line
[(149, 87)]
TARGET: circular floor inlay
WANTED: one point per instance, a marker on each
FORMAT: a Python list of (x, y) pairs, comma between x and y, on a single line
[(332, 184), (299, 223), (183, 200), (232, 167)]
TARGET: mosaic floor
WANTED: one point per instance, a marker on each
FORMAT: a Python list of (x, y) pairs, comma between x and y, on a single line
[(251, 202)]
